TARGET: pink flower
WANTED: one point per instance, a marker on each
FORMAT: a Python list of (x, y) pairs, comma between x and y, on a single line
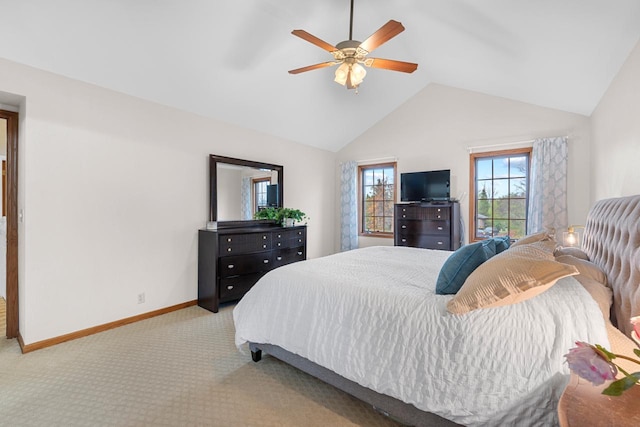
[(590, 364), (635, 321)]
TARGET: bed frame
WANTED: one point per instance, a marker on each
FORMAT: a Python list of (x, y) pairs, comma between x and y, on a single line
[(612, 242)]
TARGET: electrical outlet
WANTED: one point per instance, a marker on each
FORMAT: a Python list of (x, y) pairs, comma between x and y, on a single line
[(141, 298)]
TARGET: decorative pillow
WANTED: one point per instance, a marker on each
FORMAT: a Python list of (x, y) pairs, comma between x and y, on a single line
[(575, 252), (547, 245), (585, 268), (512, 276), (461, 264), (502, 243), (532, 238)]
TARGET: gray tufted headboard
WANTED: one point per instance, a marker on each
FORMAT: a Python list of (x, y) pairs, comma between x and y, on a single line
[(612, 242)]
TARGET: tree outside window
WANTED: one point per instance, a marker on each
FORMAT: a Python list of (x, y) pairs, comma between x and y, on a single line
[(378, 195), (500, 187)]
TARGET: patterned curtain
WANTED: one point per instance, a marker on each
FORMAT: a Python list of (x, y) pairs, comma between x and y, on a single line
[(349, 206), (245, 198), (548, 187)]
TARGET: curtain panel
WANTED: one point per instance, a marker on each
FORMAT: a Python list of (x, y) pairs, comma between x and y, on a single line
[(245, 195), (349, 206), (548, 186)]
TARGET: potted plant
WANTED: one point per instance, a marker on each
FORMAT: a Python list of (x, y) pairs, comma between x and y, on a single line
[(290, 216), (287, 217)]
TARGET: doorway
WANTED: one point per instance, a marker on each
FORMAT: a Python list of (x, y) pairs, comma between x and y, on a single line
[(10, 122)]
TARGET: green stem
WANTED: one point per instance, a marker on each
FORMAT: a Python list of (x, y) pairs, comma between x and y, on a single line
[(628, 358)]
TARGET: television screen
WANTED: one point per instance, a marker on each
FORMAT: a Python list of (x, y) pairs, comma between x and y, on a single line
[(425, 186), (272, 195)]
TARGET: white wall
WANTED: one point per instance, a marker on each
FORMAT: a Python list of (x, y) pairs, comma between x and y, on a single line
[(433, 130), (615, 127), (114, 189), (229, 193)]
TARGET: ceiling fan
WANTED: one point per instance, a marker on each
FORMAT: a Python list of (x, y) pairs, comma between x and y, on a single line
[(351, 53)]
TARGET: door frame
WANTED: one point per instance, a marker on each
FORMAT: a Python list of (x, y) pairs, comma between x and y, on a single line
[(12, 222)]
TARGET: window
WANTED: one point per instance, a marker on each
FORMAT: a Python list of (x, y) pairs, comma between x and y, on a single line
[(260, 193), (500, 185), (378, 194)]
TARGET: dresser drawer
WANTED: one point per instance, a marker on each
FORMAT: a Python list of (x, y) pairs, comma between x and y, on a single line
[(232, 288), (435, 227), (288, 238), (245, 264), (424, 241), (421, 213), (244, 243), (288, 255)]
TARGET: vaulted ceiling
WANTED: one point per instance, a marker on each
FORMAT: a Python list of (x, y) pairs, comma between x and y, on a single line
[(229, 60)]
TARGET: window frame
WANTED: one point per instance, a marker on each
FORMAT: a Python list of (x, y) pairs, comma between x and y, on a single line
[(361, 169), (473, 201), (254, 193)]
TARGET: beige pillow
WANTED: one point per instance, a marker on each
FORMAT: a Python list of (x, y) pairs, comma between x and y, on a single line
[(515, 275), (532, 238), (585, 268), (578, 253)]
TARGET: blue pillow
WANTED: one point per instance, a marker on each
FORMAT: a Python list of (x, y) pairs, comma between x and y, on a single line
[(461, 264), (502, 243)]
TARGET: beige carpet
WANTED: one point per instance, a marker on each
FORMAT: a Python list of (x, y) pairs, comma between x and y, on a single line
[(179, 369)]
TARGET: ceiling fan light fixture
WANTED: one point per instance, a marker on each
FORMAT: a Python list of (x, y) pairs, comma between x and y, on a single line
[(357, 74), (342, 73)]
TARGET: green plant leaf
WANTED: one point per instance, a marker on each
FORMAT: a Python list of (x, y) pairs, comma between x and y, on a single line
[(606, 352), (617, 387), (636, 352)]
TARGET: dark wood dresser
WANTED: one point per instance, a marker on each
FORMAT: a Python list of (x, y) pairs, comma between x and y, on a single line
[(428, 225), (231, 260)]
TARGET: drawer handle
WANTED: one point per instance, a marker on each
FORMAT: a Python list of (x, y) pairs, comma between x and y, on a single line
[(299, 240), (404, 226), (279, 244), (266, 261), (230, 266), (439, 228), (279, 236), (299, 253), (404, 240), (439, 209), (404, 216), (279, 258), (264, 237), (439, 216), (264, 246), (299, 233), (441, 243), (230, 287), (229, 239), (228, 249)]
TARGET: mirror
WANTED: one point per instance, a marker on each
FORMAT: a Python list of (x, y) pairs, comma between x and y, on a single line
[(238, 187)]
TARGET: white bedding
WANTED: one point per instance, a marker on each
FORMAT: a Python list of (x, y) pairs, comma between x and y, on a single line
[(372, 316)]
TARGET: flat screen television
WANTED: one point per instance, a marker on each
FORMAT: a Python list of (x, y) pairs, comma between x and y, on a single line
[(428, 186), (272, 195)]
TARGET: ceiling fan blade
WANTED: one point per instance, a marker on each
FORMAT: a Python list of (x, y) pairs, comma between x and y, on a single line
[(312, 67), (391, 64), (313, 39), (383, 35)]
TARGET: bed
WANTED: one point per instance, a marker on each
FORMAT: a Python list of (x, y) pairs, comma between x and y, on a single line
[(369, 322)]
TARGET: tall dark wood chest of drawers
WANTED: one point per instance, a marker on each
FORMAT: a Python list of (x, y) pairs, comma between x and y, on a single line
[(428, 225), (231, 260)]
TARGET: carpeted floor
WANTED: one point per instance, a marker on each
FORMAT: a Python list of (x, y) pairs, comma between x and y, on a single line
[(179, 369)]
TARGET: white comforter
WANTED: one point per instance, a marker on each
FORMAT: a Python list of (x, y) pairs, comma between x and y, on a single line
[(372, 316)]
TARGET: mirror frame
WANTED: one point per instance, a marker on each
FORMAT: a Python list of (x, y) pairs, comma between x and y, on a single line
[(213, 180)]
